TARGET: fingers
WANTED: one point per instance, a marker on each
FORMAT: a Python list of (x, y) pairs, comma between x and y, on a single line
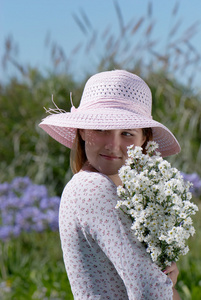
[(171, 268), (172, 272)]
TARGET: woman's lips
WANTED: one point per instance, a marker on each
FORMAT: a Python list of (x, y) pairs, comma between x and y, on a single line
[(110, 157)]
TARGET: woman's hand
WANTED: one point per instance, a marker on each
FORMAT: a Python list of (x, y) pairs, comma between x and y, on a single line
[(172, 272)]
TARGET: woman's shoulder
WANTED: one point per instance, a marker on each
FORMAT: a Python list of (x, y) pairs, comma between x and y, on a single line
[(90, 187), (85, 181), (87, 177)]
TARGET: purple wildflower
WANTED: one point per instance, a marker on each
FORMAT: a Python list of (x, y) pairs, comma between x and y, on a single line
[(195, 180), (25, 206)]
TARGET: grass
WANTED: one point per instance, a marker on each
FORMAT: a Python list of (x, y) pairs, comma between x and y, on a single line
[(32, 268), (189, 280)]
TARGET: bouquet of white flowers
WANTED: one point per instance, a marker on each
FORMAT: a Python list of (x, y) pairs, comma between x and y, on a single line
[(157, 199)]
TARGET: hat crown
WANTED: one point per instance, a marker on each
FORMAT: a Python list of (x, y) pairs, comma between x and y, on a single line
[(119, 89)]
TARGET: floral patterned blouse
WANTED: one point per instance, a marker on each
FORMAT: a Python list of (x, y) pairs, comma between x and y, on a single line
[(103, 259)]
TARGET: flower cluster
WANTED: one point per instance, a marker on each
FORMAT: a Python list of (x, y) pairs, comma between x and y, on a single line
[(158, 200), (25, 206)]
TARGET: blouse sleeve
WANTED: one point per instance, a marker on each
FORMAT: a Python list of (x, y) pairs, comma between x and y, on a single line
[(110, 228)]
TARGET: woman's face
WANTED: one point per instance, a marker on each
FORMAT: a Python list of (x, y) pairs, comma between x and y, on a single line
[(106, 150)]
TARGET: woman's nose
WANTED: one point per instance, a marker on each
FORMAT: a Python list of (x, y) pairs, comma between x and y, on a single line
[(112, 142)]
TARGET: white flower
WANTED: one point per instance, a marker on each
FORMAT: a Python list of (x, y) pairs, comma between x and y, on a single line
[(130, 151), (169, 252), (187, 221), (164, 165), (138, 207), (176, 199), (137, 199), (155, 187), (119, 204), (130, 174), (185, 250), (157, 199), (160, 197), (190, 230), (129, 185), (154, 253), (188, 196), (135, 153), (168, 192), (123, 172), (121, 191), (183, 215), (151, 146)]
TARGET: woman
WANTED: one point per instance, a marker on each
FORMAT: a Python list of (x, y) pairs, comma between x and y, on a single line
[(102, 257)]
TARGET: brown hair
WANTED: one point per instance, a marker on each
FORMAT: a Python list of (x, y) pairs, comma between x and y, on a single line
[(147, 132), (78, 155)]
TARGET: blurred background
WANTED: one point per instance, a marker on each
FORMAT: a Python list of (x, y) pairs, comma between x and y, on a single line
[(50, 47)]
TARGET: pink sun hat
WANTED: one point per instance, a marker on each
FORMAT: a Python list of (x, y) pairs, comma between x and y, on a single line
[(111, 100)]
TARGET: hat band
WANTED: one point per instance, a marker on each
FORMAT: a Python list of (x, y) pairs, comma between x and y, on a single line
[(102, 104)]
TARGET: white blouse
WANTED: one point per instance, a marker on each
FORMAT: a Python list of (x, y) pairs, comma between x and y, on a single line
[(103, 259)]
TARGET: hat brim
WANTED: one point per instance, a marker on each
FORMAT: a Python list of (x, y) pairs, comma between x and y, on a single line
[(62, 127)]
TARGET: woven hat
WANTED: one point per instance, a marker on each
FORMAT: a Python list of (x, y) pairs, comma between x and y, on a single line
[(111, 100)]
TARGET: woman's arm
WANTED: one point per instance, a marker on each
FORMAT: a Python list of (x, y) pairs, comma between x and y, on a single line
[(176, 295)]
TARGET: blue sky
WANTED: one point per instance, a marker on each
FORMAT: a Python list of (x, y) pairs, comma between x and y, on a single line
[(30, 22)]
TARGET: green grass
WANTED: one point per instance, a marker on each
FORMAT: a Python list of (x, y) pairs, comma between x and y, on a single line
[(32, 268), (189, 280)]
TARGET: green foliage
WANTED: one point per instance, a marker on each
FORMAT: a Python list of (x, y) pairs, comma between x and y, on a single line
[(30, 270), (25, 148), (189, 281), (179, 108)]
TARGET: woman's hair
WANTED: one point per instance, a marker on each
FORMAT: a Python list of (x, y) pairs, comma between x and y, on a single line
[(147, 132), (78, 155)]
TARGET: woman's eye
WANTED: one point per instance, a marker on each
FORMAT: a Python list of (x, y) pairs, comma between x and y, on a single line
[(99, 130), (126, 133)]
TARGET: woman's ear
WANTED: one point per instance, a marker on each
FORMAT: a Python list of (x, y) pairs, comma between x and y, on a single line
[(82, 133)]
